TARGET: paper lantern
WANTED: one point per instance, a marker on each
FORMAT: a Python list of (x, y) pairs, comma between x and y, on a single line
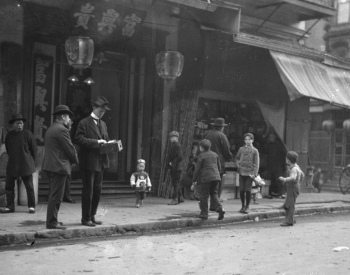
[(169, 64), (328, 125), (79, 52), (346, 125)]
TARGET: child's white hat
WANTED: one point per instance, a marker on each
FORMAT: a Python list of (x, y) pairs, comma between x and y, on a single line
[(141, 161)]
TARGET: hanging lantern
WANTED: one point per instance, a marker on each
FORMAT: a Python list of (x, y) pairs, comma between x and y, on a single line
[(328, 125), (79, 52), (346, 125), (169, 64)]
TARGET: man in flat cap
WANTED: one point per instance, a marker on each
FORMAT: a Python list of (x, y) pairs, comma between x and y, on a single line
[(60, 154), (174, 162), (21, 149), (90, 134)]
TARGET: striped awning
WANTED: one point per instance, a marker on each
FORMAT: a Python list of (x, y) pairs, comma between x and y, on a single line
[(306, 77)]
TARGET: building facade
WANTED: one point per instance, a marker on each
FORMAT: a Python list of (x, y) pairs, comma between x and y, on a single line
[(241, 63)]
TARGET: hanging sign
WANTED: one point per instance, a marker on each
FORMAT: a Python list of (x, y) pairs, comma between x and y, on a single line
[(43, 88), (105, 20)]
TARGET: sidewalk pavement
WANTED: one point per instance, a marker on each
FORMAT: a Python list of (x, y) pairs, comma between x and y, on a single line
[(120, 216)]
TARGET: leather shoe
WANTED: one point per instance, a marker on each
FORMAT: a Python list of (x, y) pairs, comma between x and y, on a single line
[(242, 209), (173, 202), (202, 217), (58, 226), (89, 223), (286, 224), (96, 222), (6, 210), (69, 201), (221, 214)]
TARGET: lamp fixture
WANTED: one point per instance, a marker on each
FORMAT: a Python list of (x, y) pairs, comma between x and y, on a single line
[(73, 78), (89, 81)]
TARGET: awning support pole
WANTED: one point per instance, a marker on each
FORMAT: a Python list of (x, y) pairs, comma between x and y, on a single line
[(272, 13)]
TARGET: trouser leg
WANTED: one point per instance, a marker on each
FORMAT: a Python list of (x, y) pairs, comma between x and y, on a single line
[(203, 203), (214, 185), (10, 192), (86, 198), (220, 187), (67, 188), (28, 183), (175, 182), (57, 183), (97, 189)]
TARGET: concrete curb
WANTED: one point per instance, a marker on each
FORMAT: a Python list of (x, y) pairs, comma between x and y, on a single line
[(115, 230)]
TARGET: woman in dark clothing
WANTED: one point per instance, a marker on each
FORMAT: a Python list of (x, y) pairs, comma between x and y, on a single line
[(247, 160)]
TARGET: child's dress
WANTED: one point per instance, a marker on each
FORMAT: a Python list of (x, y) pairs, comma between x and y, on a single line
[(142, 183)]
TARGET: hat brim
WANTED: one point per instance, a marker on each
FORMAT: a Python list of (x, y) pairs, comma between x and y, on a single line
[(63, 112), (13, 120), (103, 107), (218, 124)]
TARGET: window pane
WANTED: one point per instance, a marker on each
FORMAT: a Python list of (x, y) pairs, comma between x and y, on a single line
[(343, 12), (338, 161)]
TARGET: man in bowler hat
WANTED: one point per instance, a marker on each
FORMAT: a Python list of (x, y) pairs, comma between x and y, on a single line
[(60, 154), (220, 146), (21, 149), (90, 134)]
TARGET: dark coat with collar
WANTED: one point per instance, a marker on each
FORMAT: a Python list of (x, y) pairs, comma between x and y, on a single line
[(207, 167), (86, 136), (60, 152), (21, 149)]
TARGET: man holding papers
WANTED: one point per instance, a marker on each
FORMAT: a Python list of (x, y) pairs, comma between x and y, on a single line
[(91, 134)]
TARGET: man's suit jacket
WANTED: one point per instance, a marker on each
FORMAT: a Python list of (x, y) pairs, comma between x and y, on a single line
[(86, 137), (21, 149), (59, 150)]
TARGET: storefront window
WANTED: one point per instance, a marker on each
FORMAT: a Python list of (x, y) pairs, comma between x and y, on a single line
[(241, 117), (343, 15)]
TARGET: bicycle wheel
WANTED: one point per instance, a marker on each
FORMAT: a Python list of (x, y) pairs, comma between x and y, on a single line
[(344, 180)]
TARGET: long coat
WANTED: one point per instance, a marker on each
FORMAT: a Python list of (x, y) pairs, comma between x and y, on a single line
[(21, 149), (219, 145), (59, 150), (86, 137)]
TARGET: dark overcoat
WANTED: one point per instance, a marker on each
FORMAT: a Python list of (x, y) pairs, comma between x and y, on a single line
[(219, 145), (86, 137), (59, 150), (175, 157), (21, 149)]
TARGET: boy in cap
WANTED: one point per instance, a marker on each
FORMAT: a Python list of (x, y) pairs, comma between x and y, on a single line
[(174, 165), (141, 182), (208, 170), (21, 149), (292, 183)]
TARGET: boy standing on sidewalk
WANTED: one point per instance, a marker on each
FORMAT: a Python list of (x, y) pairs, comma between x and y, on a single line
[(174, 165), (208, 169), (292, 186)]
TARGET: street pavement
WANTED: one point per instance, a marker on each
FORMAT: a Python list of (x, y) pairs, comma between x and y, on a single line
[(120, 216)]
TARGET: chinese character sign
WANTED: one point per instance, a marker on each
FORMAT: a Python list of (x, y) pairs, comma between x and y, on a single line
[(106, 20), (43, 80)]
